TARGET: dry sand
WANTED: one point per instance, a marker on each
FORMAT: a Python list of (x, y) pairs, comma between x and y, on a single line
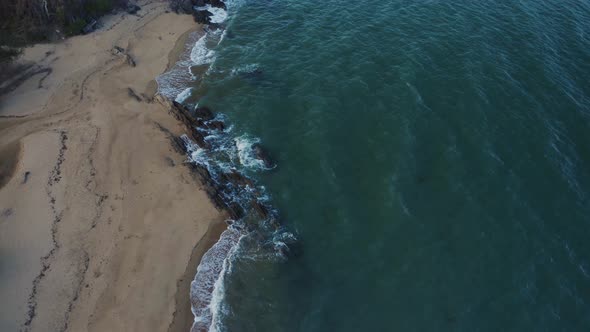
[(99, 219)]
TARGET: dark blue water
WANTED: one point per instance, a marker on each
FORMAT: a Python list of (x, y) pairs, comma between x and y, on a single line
[(434, 163)]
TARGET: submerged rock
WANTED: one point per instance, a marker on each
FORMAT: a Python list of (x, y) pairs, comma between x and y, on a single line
[(260, 209), (235, 211), (215, 125), (238, 179), (255, 74), (291, 250), (261, 154)]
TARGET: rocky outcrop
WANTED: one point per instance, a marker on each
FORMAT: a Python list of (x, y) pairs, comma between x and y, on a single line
[(198, 124), (215, 125), (182, 6), (261, 154), (217, 3), (230, 190), (203, 113), (212, 3), (202, 16)]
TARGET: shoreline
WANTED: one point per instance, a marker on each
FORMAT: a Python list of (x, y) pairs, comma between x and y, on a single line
[(111, 259), (183, 317)]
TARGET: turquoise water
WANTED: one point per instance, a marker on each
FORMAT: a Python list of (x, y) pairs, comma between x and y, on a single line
[(433, 163)]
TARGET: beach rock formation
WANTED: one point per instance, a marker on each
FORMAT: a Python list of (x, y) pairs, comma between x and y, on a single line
[(215, 125), (261, 154), (212, 3), (217, 3), (202, 16), (182, 6), (203, 113)]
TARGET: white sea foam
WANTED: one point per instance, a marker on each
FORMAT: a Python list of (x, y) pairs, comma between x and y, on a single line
[(246, 154), (246, 68), (200, 54), (196, 154), (181, 97), (207, 288), (226, 154), (175, 81), (219, 14), (223, 34)]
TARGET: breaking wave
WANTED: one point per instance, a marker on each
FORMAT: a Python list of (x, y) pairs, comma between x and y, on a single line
[(200, 54), (207, 288), (225, 158)]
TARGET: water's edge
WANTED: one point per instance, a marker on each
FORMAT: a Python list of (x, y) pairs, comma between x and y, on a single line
[(218, 158)]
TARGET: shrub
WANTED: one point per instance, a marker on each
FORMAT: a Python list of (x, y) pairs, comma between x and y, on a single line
[(75, 27)]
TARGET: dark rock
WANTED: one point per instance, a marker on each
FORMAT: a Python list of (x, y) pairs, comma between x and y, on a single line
[(261, 154), (205, 175), (202, 16), (133, 9), (292, 250), (213, 27), (255, 74), (130, 60), (237, 178), (182, 6), (181, 108), (199, 138), (182, 113), (217, 3), (89, 27), (204, 113), (260, 209), (274, 222), (170, 161), (235, 211), (213, 3), (26, 177), (133, 95), (177, 144), (215, 125), (118, 49)]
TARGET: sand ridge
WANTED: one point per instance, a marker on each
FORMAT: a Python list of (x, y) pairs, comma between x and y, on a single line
[(99, 218)]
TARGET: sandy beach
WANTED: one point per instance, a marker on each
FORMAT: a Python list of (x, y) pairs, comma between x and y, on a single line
[(101, 224)]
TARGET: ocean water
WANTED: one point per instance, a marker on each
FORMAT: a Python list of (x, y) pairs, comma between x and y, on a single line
[(433, 164)]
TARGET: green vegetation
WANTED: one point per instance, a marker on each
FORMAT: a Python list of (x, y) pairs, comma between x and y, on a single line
[(8, 53), (75, 28), (28, 21), (98, 7)]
